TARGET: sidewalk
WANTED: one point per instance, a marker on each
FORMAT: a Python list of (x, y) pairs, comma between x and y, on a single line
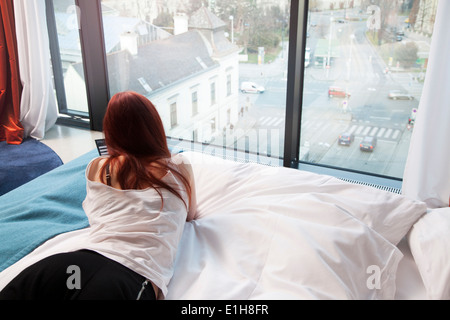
[(245, 124)]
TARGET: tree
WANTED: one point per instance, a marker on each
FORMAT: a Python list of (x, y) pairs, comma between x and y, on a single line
[(253, 26), (413, 12), (406, 54), (164, 20), (425, 16)]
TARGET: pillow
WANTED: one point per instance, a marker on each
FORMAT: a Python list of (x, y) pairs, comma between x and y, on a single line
[(429, 240)]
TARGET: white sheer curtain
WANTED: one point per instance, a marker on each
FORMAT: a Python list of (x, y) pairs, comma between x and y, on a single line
[(427, 171), (38, 108)]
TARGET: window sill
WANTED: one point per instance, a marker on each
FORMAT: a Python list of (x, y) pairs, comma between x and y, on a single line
[(379, 182)]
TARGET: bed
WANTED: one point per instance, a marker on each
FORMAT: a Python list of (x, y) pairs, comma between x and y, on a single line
[(262, 233)]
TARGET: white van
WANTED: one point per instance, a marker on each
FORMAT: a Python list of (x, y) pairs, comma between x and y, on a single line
[(251, 87)]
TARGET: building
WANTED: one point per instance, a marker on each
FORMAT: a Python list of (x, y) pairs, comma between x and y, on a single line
[(69, 37), (324, 5), (191, 77)]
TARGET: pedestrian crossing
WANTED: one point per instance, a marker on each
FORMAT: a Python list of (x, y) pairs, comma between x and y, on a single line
[(270, 121), (358, 129), (382, 133)]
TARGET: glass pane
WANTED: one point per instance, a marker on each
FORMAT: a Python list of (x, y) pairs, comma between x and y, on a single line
[(67, 27), (215, 70), (363, 83)]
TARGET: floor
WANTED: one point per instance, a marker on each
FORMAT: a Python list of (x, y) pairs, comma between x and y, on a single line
[(69, 142)]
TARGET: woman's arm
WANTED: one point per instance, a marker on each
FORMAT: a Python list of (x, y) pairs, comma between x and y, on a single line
[(192, 212), (186, 169)]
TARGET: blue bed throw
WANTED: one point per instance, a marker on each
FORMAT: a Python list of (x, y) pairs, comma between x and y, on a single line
[(43, 208)]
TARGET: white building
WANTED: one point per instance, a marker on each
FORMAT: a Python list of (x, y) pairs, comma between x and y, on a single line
[(192, 77)]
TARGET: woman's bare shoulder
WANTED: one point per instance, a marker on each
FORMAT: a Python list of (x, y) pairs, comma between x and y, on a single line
[(181, 161), (93, 170)]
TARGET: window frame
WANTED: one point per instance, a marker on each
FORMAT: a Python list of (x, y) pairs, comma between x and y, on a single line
[(96, 75), (295, 78), (94, 65)]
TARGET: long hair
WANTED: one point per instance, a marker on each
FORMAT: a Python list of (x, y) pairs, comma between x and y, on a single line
[(133, 129)]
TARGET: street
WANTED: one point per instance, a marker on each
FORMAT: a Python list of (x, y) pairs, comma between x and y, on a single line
[(360, 71)]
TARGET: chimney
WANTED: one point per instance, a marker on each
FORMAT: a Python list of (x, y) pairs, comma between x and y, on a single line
[(180, 23), (128, 41)]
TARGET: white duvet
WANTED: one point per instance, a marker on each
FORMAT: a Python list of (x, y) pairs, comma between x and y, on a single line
[(279, 233)]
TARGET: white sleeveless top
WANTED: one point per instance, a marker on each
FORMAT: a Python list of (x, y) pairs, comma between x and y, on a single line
[(129, 227)]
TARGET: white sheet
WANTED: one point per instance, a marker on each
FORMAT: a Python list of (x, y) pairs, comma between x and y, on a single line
[(278, 233), (409, 283)]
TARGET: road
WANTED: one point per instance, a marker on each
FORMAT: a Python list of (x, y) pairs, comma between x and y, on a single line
[(368, 111)]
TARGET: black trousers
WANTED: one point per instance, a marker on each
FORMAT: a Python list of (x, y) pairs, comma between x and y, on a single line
[(78, 275)]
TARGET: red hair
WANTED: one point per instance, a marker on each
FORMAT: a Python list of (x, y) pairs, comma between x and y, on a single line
[(133, 129)]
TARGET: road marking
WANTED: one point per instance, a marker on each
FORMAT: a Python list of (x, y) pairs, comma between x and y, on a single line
[(380, 118), (374, 130), (278, 122), (396, 133), (366, 130), (263, 120), (380, 133), (270, 121), (353, 128), (388, 133)]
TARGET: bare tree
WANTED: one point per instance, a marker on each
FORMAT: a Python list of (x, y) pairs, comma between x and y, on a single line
[(425, 16)]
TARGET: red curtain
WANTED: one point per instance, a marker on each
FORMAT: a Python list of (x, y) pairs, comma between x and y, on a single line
[(11, 129)]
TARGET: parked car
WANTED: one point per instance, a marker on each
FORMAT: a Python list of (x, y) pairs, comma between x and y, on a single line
[(399, 94), (338, 92), (251, 87), (368, 143), (346, 138)]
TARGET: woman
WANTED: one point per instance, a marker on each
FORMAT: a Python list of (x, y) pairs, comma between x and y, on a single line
[(138, 199)]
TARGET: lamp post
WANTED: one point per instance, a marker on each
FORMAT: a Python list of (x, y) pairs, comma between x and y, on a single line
[(329, 48), (232, 28), (352, 38)]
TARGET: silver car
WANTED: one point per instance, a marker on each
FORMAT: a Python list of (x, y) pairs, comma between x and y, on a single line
[(399, 94)]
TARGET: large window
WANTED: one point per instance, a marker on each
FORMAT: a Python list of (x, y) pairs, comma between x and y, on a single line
[(364, 82), (164, 48), (67, 58), (328, 83)]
